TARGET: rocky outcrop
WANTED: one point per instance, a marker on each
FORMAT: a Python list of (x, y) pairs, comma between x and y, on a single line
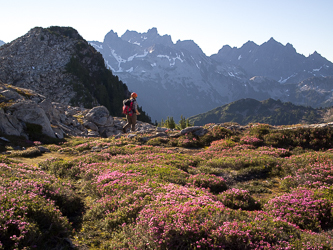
[(20, 106), (28, 111), (10, 125), (100, 116)]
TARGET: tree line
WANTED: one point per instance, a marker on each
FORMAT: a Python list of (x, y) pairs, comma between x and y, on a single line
[(170, 123)]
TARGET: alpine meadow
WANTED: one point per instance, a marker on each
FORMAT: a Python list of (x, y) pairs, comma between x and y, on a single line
[(249, 165)]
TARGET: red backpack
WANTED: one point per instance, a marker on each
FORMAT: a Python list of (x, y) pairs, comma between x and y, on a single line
[(128, 106)]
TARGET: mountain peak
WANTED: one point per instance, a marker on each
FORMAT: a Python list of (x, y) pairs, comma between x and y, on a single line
[(225, 48), (189, 45), (272, 43), (153, 31), (272, 40), (249, 45), (112, 34), (315, 53), (318, 57), (63, 31)]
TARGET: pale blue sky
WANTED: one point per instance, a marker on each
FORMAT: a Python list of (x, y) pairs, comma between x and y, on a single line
[(307, 24)]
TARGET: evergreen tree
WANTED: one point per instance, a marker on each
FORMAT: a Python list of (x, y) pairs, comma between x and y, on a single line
[(188, 124), (170, 123), (182, 122), (162, 123)]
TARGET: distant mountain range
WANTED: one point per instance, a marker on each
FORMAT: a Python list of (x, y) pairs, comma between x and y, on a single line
[(275, 61), (174, 79), (2, 43), (273, 112)]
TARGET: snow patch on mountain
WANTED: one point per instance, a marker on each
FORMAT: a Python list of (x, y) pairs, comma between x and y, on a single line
[(286, 79), (129, 70), (145, 53), (314, 70), (172, 60)]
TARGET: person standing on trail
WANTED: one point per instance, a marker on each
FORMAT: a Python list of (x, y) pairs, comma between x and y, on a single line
[(131, 114)]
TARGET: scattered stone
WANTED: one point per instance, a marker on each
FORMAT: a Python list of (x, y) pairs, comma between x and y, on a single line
[(11, 95), (117, 136), (29, 112), (131, 135), (196, 130), (161, 134), (43, 149), (4, 139), (93, 134), (159, 129), (175, 135), (10, 125), (90, 125), (59, 133), (96, 149), (100, 116)]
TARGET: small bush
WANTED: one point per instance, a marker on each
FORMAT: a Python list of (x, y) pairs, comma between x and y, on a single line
[(302, 208), (216, 133), (238, 199), (28, 153), (61, 168), (215, 184), (260, 130)]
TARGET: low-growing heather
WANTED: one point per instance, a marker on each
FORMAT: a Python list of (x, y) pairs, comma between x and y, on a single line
[(303, 208), (239, 199), (130, 193), (214, 183), (308, 170), (258, 231), (29, 216)]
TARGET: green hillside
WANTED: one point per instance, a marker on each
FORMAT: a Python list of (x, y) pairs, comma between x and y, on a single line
[(269, 111)]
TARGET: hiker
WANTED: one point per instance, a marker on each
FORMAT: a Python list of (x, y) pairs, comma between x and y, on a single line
[(131, 113)]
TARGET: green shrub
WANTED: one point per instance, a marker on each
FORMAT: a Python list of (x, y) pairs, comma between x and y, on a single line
[(216, 133), (61, 168), (215, 184), (29, 152), (260, 130), (238, 198), (158, 141)]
